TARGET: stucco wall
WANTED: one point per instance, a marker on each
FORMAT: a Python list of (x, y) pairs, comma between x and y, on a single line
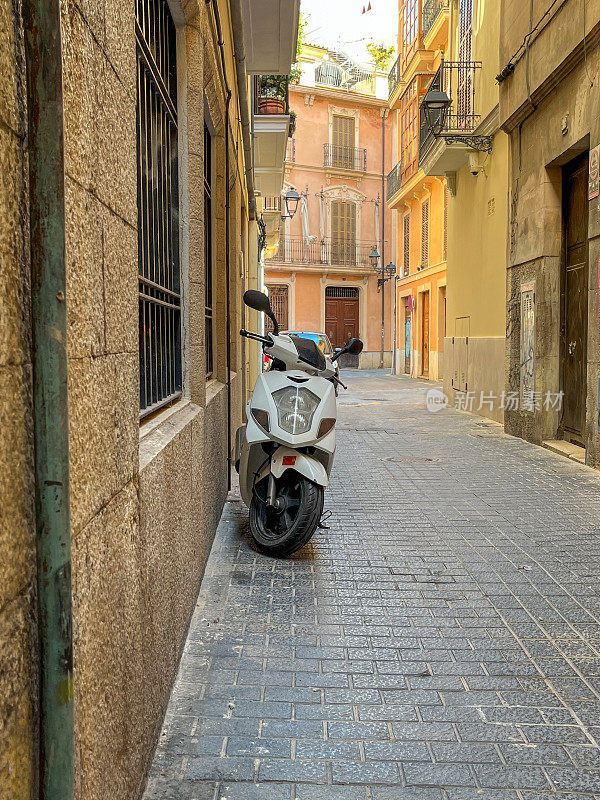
[(564, 123), (18, 665)]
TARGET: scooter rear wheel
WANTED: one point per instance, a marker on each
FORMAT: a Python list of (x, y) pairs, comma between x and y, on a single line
[(283, 532)]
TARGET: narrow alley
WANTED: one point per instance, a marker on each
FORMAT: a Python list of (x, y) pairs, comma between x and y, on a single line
[(441, 641)]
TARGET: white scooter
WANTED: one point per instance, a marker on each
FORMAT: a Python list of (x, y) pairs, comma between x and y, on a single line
[(284, 453)]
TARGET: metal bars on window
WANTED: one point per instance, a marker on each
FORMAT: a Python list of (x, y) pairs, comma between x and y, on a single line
[(208, 256), (158, 207), (425, 234)]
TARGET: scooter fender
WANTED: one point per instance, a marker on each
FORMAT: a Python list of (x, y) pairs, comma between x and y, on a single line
[(305, 465)]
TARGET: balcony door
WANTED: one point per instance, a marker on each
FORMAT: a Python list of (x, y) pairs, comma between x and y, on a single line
[(342, 141), (343, 232)]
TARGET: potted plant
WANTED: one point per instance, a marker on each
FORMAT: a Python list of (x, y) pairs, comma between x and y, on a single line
[(271, 94), (292, 129)]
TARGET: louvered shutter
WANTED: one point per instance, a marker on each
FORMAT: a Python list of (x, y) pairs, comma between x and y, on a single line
[(406, 244), (343, 142), (343, 232), (445, 253), (425, 234)]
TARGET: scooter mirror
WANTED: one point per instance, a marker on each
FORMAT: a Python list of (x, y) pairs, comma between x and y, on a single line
[(353, 346), (260, 302)]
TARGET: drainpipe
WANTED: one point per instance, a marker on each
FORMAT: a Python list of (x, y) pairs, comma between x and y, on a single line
[(50, 401), (242, 82), (382, 237)]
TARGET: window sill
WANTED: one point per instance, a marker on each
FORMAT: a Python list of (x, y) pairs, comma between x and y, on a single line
[(156, 434)]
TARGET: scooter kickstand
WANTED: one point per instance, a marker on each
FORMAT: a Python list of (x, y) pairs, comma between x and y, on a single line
[(321, 523)]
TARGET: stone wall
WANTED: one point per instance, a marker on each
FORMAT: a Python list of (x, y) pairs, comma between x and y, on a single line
[(564, 121), (18, 665)]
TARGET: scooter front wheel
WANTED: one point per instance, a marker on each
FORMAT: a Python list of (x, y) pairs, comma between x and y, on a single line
[(284, 530)]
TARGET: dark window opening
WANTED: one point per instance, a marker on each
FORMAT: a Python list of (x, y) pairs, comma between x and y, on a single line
[(158, 207)]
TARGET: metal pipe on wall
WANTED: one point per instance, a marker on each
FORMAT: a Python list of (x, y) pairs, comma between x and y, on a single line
[(383, 118), (42, 24)]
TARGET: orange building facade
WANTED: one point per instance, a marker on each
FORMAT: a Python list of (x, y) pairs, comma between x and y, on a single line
[(319, 274), (418, 203)]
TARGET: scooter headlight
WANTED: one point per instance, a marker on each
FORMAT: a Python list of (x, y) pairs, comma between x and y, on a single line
[(295, 409)]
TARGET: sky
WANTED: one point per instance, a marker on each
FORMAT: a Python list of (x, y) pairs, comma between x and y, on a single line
[(340, 24)]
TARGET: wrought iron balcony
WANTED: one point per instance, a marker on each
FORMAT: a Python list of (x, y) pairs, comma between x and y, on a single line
[(458, 122), (394, 77), (393, 180), (334, 252), (343, 157), (431, 11)]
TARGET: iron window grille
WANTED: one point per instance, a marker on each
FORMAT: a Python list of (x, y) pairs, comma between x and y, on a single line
[(394, 180), (431, 11), (346, 292), (425, 234), (158, 207), (209, 322), (394, 76)]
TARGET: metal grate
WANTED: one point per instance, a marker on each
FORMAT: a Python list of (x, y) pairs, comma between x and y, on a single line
[(209, 338), (158, 207), (425, 234), (278, 296), (341, 291)]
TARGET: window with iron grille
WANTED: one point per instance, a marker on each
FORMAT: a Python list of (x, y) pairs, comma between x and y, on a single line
[(278, 295), (158, 207), (209, 338), (406, 244), (425, 234), (348, 292)]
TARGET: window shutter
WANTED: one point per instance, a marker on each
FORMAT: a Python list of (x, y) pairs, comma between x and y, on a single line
[(406, 244), (465, 39), (445, 245), (425, 234), (343, 232), (343, 141)]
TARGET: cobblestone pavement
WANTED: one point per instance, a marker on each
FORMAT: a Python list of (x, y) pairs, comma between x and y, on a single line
[(440, 642)]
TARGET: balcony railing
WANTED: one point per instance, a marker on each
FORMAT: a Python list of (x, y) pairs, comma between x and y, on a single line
[(334, 252), (431, 11), (457, 80), (343, 157), (393, 180), (394, 77), (271, 94)]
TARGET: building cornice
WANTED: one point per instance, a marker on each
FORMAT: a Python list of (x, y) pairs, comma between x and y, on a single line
[(331, 93)]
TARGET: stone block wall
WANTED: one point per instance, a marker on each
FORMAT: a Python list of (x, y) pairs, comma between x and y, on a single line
[(18, 633)]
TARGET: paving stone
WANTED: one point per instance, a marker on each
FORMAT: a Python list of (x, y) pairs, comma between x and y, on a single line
[(406, 632)]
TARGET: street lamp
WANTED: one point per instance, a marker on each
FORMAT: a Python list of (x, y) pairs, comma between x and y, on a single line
[(292, 198), (374, 257), (435, 106)]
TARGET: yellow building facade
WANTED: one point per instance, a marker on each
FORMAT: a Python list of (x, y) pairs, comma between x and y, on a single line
[(465, 147), (418, 201)]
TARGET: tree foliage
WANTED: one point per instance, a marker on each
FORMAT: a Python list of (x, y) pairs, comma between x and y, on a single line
[(380, 54)]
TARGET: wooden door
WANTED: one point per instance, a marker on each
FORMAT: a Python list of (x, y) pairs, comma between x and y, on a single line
[(278, 295), (407, 335), (341, 314), (425, 332), (343, 232), (342, 140), (575, 306)]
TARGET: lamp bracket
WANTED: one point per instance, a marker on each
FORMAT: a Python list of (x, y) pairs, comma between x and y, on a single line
[(481, 143)]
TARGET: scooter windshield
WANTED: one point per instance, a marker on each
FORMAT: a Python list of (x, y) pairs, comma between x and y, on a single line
[(309, 352)]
